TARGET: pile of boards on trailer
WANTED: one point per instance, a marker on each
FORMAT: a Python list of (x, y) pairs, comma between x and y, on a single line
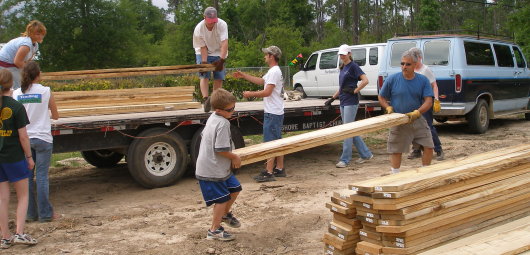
[(117, 101), (435, 206)]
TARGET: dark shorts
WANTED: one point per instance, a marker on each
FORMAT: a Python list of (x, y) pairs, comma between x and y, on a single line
[(14, 172), (219, 192)]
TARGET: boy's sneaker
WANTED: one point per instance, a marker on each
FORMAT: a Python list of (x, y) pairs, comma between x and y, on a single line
[(440, 155), (5, 243), (414, 154), (362, 160), (219, 234), (279, 172), (231, 220), (341, 164), (264, 176), (24, 239)]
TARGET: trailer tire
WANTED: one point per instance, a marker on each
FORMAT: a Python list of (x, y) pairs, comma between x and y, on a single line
[(479, 118), (301, 89), (102, 158), (195, 144), (527, 115), (157, 161)]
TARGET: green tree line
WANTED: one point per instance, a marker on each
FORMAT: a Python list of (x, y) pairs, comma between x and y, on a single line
[(92, 34)]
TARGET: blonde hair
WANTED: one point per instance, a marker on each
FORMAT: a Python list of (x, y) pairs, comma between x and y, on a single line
[(221, 98), (34, 26)]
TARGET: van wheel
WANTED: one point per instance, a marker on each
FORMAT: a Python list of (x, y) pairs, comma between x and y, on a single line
[(478, 119), (237, 138), (441, 119), (157, 161), (102, 158), (301, 90), (527, 115)]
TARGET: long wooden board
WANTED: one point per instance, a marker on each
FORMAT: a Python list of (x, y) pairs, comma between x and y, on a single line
[(316, 138), (126, 109), (82, 103), (117, 93)]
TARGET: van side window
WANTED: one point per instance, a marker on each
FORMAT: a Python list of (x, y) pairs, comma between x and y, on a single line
[(328, 60), (311, 63), (504, 55), (359, 56), (519, 57), (397, 50), (373, 56), (479, 54), (436, 53)]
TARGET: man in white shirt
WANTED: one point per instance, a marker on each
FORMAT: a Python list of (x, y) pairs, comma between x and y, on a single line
[(210, 41), (273, 108)]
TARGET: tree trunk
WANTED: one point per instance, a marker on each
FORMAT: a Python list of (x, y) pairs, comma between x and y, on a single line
[(355, 23), (320, 19)]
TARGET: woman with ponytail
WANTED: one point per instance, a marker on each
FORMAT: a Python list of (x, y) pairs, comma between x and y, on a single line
[(17, 52), (39, 103)]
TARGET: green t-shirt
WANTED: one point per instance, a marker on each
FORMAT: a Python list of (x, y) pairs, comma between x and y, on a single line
[(14, 117)]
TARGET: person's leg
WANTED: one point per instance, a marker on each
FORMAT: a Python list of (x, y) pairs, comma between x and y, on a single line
[(204, 87), (4, 210), (219, 210), (395, 160), (233, 197), (361, 147), (428, 115), (21, 188), (42, 163), (346, 113), (32, 201), (427, 156)]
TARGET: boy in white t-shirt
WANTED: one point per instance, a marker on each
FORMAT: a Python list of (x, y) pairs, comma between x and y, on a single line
[(273, 108)]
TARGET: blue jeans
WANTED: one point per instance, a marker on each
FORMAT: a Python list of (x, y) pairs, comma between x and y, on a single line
[(40, 208), (272, 127), (348, 113), (220, 75), (428, 115)]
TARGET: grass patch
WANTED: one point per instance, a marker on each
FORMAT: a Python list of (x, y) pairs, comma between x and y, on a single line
[(61, 156)]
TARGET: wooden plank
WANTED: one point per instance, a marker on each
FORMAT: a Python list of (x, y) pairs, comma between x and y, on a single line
[(369, 247), (344, 195), (316, 138), (334, 251), (123, 101), (371, 184), (120, 75), (117, 93), (126, 109), (509, 238), (336, 208), (354, 222), (421, 197), (337, 242)]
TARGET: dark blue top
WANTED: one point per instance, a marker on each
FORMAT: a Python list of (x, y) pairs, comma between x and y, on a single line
[(348, 77), (406, 95)]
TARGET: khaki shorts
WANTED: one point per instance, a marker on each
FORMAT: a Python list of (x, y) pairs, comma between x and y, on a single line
[(401, 137)]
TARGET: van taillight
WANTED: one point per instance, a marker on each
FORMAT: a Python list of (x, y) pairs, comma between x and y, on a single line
[(380, 81), (458, 83)]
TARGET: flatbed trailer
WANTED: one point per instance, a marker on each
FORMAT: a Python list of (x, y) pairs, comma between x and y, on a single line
[(158, 146)]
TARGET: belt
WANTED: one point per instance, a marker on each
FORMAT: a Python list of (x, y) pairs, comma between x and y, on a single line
[(5, 64)]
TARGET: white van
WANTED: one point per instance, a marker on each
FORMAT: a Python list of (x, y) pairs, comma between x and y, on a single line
[(319, 76), (478, 78)]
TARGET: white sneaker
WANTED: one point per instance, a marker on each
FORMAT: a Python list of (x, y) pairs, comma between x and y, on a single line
[(362, 160), (341, 164), (395, 171)]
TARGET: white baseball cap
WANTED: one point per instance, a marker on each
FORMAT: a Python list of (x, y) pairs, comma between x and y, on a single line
[(344, 49)]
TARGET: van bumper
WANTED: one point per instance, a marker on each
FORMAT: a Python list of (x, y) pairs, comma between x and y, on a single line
[(454, 109)]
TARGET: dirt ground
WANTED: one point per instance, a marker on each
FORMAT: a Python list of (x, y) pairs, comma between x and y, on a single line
[(106, 212)]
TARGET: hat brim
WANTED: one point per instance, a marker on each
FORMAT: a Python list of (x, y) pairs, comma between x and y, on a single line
[(343, 52), (211, 20)]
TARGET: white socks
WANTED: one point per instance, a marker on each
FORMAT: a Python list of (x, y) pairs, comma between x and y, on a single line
[(394, 170)]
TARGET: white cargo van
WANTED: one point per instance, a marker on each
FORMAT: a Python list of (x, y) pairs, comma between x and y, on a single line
[(319, 76), (478, 78)]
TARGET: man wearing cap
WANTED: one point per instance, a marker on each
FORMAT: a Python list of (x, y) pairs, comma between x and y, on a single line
[(273, 108), (210, 40)]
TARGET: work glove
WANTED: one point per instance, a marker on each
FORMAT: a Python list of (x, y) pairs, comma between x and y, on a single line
[(414, 115), (436, 107), (389, 110), (219, 64), (348, 90), (329, 101)]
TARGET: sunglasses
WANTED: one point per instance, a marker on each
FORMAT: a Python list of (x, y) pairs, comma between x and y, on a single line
[(405, 64), (230, 109)]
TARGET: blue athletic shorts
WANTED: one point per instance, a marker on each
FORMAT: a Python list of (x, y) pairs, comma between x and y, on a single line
[(272, 127), (219, 192), (216, 75), (14, 172)]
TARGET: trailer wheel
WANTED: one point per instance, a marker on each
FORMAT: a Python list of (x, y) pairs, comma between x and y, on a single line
[(237, 137), (479, 119), (441, 119), (301, 89), (158, 161), (102, 158), (527, 115)]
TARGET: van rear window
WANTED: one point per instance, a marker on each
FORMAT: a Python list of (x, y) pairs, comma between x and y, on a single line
[(436, 53), (359, 56), (397, 50), (328, 60), (479, 54), (374, 56), (504, 55)]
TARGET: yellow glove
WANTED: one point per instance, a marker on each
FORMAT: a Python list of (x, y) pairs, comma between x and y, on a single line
[(389, 110), (436, 107), (414, 115)]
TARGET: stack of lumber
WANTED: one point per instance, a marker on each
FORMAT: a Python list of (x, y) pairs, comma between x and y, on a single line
[(118, 101), (343, 231), (126, 72), (317, 138), (413, 211)]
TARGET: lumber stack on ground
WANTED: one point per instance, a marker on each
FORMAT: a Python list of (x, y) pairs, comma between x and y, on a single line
[(343, 230), (416, 210), (101, 102), (316, 138), (126, 72)]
